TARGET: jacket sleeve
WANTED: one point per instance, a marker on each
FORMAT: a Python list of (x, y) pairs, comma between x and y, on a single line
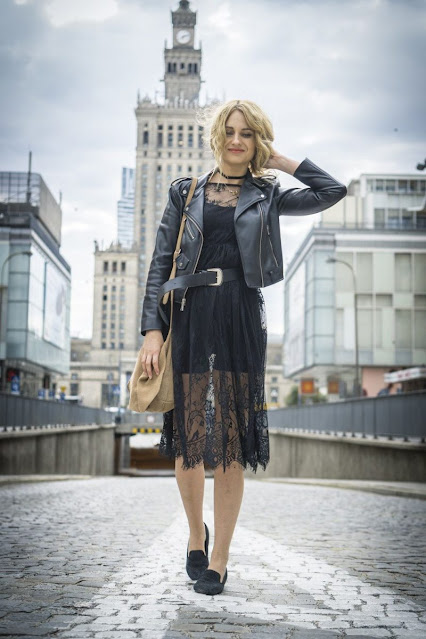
[(323, 191), (161, 262)]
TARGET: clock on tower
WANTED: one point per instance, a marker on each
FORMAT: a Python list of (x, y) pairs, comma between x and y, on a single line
[(183, 36)]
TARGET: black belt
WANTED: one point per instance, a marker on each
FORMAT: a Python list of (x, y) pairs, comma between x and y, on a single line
[(207, 277)]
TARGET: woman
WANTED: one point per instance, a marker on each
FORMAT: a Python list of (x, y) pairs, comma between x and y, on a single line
[(219, 331)]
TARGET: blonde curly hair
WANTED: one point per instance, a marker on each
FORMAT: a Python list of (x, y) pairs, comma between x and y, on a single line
[(213, 119)]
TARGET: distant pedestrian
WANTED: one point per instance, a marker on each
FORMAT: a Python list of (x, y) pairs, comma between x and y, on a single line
[(219, 334)]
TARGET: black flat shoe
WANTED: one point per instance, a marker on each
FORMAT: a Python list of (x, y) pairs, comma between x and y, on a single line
[(209, 583), (197, 560)]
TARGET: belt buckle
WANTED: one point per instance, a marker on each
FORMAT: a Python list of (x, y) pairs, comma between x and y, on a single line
[(219, 278)]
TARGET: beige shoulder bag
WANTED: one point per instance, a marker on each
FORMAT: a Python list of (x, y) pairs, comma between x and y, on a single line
[(156, 394)]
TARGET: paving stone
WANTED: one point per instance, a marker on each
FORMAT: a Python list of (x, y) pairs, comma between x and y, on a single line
[(102, 559)]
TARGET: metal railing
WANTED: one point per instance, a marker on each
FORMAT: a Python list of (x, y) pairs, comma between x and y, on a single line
[(401, 415), (30, 412)]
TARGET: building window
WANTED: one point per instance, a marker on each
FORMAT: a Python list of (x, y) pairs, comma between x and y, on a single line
[(114, 267), (160, 139), (123, 269), (104, 297), (190, 140), (112, 345), (145, 137), (121, 345), (105, 267), (105, 288), (103, 345), (403, 329), (379, 218), (180, 138), (170, 139), (402, 272)]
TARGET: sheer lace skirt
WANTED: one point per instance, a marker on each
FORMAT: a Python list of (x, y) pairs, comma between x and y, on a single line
[(219, 355)]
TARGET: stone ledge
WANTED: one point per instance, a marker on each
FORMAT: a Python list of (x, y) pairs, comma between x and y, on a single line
[(395, 488), (56, 430), (348, 439)]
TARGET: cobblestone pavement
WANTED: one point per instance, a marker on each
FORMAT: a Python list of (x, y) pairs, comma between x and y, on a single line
[(104, 558)]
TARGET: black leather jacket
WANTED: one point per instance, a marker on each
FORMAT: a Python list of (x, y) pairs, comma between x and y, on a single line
[(257, 229)]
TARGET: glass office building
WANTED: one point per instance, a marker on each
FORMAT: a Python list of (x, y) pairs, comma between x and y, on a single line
[(382, 242), (126, 208), (35, 287)]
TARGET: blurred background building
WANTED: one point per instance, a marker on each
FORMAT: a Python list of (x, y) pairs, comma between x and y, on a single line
[(126, 208), (369, 249), (35, 283)]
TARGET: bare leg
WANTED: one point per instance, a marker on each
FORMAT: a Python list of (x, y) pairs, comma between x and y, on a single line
[(191, 487), (228, 495)]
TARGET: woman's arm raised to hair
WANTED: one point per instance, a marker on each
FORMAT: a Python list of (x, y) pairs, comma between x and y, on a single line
[(324, 190)]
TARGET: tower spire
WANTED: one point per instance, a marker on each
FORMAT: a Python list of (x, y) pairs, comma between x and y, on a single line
[(182, 62)]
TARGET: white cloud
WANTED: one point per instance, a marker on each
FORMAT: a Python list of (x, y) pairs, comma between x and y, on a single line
[(64, 12)]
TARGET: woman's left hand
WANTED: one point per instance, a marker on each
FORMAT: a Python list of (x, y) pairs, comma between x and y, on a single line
[(281, 162), (275, 161)]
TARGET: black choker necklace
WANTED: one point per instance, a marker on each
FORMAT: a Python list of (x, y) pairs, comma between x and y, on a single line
[(233, 177)]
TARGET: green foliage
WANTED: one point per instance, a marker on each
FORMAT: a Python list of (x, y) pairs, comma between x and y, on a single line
[(292, 398)]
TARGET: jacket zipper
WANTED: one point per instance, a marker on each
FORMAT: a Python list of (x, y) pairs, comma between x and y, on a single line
[(260, 243), (183, 302), (189, 229), (270, 242)]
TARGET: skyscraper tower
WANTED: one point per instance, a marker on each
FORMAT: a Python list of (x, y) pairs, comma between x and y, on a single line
[(169, 140)]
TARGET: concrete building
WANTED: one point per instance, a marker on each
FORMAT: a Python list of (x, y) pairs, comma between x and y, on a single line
[(100, 369), (379, 231), (35, 283), (126, 208)]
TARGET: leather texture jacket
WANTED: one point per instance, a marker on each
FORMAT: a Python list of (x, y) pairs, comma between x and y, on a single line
[(262, 200)]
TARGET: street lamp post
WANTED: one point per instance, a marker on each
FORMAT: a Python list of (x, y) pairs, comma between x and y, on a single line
[(2, 305), (357, 380)]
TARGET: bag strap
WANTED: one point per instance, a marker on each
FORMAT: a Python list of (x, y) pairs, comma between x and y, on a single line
[(179, 238)]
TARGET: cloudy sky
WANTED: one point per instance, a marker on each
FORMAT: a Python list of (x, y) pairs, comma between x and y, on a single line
[(342, 80)]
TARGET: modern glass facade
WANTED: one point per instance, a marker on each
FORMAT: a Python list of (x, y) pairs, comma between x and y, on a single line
[(390, 274), (35, 326), (126, 208)]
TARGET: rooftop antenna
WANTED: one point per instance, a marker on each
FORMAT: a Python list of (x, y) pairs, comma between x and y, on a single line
[(29, 178)]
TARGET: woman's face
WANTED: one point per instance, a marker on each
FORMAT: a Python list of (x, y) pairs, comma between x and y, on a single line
[(240, 137)]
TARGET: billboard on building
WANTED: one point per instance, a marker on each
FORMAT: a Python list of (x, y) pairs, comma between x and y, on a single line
[(55, 306)]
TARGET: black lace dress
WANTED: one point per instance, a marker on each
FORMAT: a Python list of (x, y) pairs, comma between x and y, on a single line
[(219, 354)]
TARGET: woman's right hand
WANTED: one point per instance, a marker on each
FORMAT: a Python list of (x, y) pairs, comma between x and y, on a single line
[(150, 351)]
